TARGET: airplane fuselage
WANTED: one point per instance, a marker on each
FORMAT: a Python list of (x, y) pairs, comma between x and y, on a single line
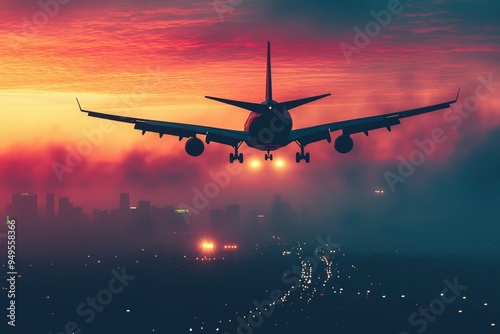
[(269, 130)]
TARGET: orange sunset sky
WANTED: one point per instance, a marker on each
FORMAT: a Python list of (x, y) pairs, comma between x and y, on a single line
[(158, 59)]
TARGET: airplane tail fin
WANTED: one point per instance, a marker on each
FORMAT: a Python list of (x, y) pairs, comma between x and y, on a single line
[(269, 84), (262, 107)]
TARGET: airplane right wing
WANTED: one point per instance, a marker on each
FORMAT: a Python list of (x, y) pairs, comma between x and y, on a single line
[(313, 134)]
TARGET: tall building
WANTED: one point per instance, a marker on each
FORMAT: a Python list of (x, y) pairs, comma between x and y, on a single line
[(143, 212), (24, 207), (163, 215), (50, 207), (70, 214), (125, 202), (64, 209), (144, 208)]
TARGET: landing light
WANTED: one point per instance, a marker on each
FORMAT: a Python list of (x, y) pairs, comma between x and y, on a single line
[(255, 164), (279, 163)]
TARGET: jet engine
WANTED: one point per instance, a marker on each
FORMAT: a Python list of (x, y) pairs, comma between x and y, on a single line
[(194, 147), (343, 144)]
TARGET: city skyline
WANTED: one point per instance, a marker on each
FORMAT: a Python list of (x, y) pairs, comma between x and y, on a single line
[(26, 209)]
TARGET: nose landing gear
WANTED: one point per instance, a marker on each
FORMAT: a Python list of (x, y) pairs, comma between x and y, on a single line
[(268, 156)]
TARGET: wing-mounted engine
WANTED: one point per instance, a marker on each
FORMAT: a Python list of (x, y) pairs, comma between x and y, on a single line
[(194, 147), (344, 144)]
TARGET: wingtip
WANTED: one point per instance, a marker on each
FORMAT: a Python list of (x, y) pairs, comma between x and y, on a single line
[(458, 94), (79, 106)]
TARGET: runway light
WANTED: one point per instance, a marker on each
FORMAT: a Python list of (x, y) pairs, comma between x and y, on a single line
[(207, 246)]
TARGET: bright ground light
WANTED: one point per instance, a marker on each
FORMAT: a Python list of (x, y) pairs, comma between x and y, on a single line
[(207, 246)]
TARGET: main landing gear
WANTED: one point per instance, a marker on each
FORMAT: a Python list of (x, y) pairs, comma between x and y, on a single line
[(299, 156), (236, 156), (268, 156)]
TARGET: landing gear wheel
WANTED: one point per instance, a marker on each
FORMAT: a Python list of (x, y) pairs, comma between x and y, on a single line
[(268, 156), (299, 156), (236, 156)]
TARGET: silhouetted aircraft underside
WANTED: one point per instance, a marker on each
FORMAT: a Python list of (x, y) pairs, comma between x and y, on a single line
[(269, 126)]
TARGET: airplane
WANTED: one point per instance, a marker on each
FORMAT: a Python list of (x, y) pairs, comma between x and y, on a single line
[(269, 126)]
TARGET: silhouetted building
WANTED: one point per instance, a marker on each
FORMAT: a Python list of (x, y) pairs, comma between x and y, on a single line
[(24, 207), (233, 215), (68, 213), (125, 202), (64, 209), (133, 212), (141, 213), (50, 207), (181, 219), (101, 216), (168, 220), (144, 210), (163, 216)]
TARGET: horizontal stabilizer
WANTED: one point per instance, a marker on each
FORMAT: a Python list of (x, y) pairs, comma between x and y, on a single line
[(297, 103), (255, 107)]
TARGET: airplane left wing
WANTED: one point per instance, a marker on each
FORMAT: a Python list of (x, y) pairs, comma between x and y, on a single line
[(182, 130), (322, 132)]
